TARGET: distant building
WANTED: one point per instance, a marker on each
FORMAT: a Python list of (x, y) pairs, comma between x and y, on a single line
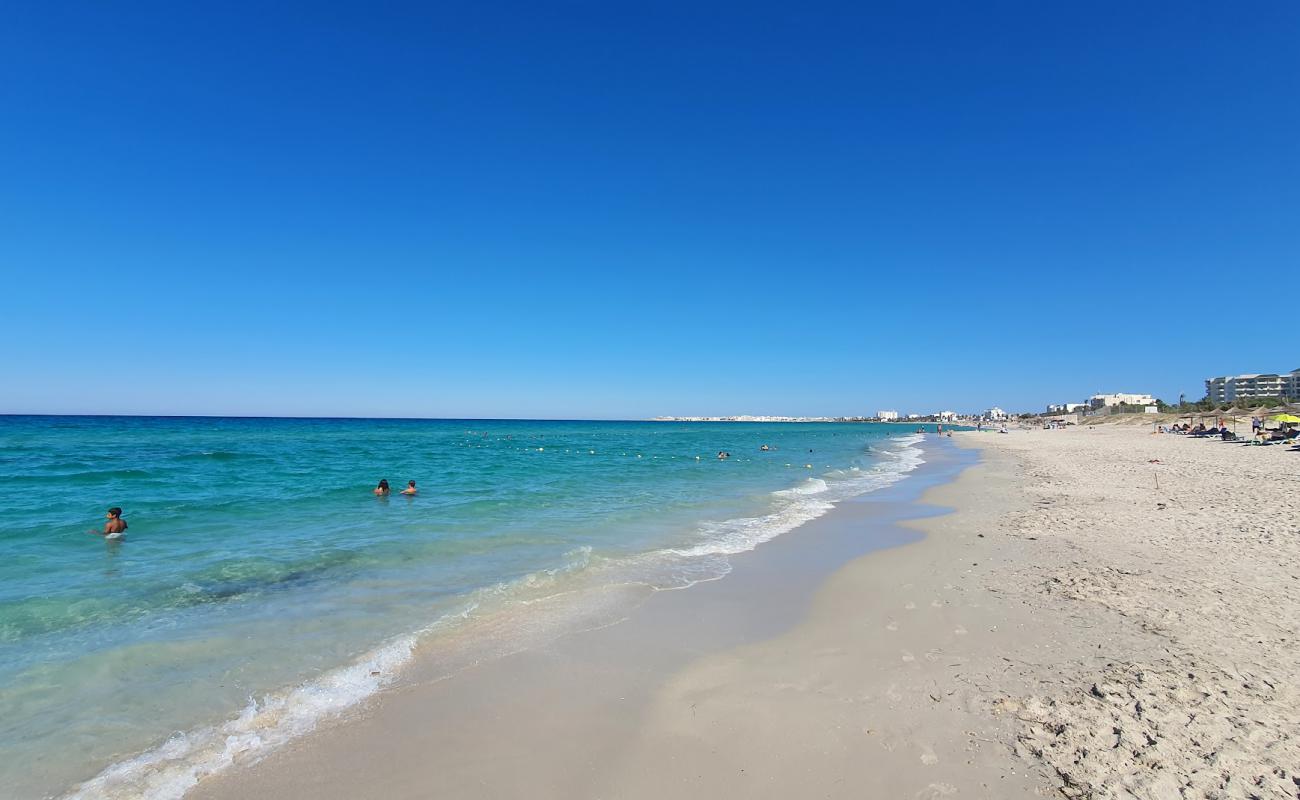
[(946, 416), (1121, 399), (1065, 408), (887, 416), (913, 416), (996, 414), (1228, 388)]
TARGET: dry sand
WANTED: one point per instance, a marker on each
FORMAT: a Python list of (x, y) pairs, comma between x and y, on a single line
[(1071, 629), (1174, 564)]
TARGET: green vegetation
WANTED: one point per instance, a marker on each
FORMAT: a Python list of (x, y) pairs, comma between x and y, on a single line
[(1205, 404)]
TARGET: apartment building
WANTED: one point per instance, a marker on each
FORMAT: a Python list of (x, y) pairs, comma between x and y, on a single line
[(1227, 388)]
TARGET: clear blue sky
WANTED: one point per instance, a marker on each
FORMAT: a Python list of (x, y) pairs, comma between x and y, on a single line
[(596, 210)]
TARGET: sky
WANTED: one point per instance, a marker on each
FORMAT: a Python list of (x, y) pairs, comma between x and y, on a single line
[(608, 210)]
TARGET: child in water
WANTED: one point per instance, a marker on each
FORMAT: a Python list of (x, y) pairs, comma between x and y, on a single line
[(115, 527)]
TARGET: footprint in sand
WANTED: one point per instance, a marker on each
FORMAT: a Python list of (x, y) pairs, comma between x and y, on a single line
[(960, 631), (936, 604), (936, 790), (892, 626), (908, 658), (928, 757), (910, 606)]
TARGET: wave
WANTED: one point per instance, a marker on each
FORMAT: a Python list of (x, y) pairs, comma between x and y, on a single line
[(215, 455), (808, 487), (169, 770), (46, 477), (807, 501)]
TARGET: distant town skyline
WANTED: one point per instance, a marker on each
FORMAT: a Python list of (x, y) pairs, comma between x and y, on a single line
[(606, 212)]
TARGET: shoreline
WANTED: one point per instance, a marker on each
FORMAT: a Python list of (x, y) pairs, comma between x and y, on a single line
[(591, 684), (291, 628), (1107, 613)]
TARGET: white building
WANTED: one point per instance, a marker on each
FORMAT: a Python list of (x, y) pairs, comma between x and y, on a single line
[(1121, 399), (887, 416), (913, 416), (996, 414), (1065, 408), (1267, 384), (946, 416)]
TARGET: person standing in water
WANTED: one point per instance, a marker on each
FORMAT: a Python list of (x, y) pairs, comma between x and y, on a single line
[(115, 527), (410, 488), (382, 489)]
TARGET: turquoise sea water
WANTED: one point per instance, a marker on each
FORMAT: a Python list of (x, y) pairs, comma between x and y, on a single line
[(262, 587)]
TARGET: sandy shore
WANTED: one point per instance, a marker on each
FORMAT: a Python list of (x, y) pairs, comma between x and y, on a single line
[(1173, 564), (1071, 628)]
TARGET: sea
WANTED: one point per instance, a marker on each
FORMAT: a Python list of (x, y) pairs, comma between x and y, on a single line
[(262, 588)]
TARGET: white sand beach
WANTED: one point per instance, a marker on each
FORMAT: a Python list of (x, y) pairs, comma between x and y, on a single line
[(1108, 613)]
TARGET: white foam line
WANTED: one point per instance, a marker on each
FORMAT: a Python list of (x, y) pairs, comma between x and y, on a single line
[(171, 769), (796, 506)]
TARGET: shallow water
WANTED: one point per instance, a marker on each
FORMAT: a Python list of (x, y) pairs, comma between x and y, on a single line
[(262, 586)]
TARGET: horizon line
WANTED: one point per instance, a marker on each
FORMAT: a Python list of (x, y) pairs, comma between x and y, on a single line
[(662, 418)]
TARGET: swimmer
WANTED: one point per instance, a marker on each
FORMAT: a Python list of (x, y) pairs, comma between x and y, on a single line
[(115, 527), (382, 489), (410, 488), (764, 448)]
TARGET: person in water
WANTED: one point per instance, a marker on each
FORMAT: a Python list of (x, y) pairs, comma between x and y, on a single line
[(115, 527), (410, 488), (382, 489)]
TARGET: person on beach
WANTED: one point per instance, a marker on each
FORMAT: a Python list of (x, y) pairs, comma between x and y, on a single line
[(382, 489), (115, 527), (410, 488)]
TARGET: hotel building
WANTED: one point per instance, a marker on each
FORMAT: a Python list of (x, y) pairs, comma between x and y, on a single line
[(1121, 399), (1228, 388)]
